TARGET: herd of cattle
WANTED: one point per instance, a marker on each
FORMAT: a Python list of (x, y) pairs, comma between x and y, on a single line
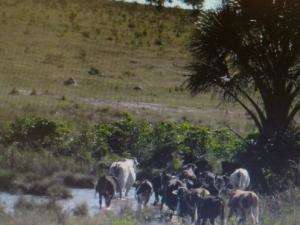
[(190, 193)]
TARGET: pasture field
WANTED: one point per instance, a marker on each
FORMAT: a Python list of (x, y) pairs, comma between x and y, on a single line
[(123, 57)]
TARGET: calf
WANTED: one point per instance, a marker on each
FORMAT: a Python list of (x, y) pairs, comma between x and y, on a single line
[(107, 186), (143, 193), (209, 208), (240, 179), (242, 203)]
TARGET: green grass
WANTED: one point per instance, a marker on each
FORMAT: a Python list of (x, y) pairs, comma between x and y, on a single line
[(43, 43)]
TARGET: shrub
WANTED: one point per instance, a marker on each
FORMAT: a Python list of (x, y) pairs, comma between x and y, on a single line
[(125, 137), (34, 132), (48, 187), (6, 180), (166, 142), (22, 203), (58, 191), (196, 141), (39, 187), (224, 144)]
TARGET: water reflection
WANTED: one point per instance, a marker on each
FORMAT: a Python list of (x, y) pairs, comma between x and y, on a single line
[(79, 196)]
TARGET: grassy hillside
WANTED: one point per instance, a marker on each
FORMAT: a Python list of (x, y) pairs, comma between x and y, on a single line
[(137, 55)]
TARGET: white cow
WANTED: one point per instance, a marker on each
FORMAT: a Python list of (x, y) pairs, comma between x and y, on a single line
[(240, 179), (125, 173)]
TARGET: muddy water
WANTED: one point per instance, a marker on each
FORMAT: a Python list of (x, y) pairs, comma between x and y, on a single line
[(79, 196)]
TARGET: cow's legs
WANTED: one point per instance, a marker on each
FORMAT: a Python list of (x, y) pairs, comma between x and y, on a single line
[(162, 203), (127, 191), (129, 184), (230, 213), (241, 221), (198, 221), (242, 217), (108, 200), (204, 220), (254, 215), (212, 221), (147, 199), (100, 200), (156, 194)]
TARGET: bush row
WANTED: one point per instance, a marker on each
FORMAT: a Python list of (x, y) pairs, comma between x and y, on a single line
[(158, 145)]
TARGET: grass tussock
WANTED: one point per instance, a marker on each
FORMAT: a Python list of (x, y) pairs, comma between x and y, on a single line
[(32, 213), (81, 210)]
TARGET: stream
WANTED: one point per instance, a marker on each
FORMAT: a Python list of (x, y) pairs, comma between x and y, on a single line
[(79, 196)]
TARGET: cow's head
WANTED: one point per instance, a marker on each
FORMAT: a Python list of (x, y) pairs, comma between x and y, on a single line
[(181, 192), (136, 163), (190, 166)]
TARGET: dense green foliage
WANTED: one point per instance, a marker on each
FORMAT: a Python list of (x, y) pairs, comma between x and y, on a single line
[(153, 144), (162, 145)]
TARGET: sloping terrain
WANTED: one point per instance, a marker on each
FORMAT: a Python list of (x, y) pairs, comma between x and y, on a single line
[(113, 53)]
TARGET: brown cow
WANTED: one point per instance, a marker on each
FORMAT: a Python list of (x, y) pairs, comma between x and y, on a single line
[(143, 193), (107, 186), (242, 203)]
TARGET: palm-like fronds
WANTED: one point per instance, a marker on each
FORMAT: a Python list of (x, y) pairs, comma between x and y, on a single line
[(249, 45)]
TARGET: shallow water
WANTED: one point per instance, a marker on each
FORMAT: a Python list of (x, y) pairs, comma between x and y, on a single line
[(79, 196), (208, 4)]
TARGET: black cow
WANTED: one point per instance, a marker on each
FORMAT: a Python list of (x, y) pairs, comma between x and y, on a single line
[(209, 208), (169, 197), (159, 182), (207, 180), (107, 186), (187, 201)]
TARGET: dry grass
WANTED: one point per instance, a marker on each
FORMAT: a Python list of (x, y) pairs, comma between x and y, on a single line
[(109, 48)]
